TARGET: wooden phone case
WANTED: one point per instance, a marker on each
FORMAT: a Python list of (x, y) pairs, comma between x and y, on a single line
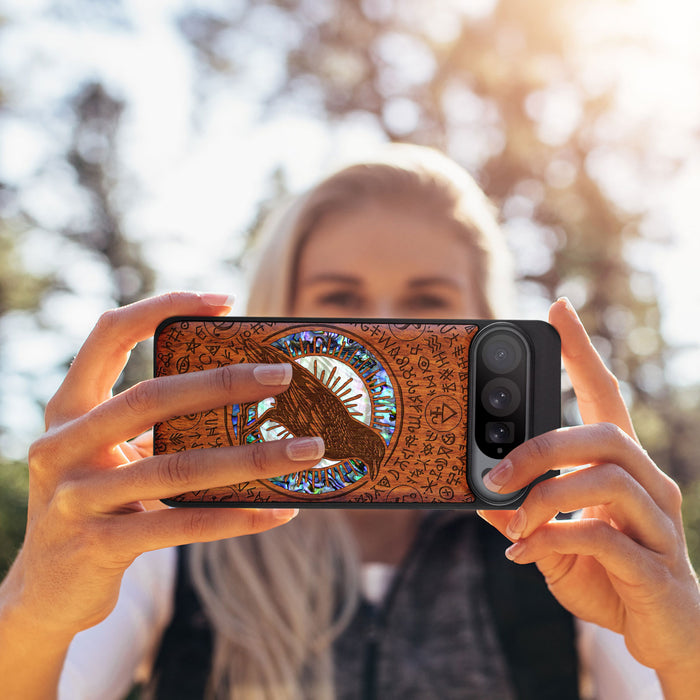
[(390, 400)]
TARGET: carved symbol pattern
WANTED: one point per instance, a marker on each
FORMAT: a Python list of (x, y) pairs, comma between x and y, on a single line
[(390, 402)]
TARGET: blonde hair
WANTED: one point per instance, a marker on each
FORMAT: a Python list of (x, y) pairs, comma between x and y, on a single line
[(416, 176), (277, 600)]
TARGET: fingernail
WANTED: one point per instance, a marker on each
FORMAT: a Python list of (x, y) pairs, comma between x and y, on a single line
[(302, 449), (569, 306), (218, 299), (273, 375), (499, 476), (517, 525), (285, 514), (515, 550)]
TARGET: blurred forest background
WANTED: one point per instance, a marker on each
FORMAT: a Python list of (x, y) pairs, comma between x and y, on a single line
[(580, 119)]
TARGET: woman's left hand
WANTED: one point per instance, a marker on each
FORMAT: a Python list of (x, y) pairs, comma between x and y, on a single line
[(623, 564)]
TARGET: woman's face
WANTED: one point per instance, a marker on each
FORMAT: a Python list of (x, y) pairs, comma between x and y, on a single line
[(385, 261)]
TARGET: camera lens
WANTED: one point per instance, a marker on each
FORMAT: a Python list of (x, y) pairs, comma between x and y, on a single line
[(502, 353), (500, 396), (499, 432)]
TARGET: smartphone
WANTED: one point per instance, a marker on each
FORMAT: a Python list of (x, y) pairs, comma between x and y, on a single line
[(413, 413)]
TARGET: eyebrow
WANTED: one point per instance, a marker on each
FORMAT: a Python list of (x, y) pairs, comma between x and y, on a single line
[(330, 277), (350, 280), (433, 281)]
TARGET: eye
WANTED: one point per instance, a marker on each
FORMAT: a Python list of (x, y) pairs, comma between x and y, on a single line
[(345, 299), (427, 302)]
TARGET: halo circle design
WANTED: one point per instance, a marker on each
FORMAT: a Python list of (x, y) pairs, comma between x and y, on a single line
[(358, 378)]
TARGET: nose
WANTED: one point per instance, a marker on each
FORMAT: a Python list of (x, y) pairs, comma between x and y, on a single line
[(383, 308)]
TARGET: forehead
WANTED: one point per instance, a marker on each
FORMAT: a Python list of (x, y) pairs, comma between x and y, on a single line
[(380, 238)]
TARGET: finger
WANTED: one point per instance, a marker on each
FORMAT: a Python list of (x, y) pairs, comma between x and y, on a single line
[(614, 550), (143, 444), (156, 529), (138, 408), (596, 388), (131, 452), (497, 518), (169, 475), (606, 486), (579, 445), (105, 352)]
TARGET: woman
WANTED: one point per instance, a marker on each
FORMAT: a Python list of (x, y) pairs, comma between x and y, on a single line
[(412, 236)]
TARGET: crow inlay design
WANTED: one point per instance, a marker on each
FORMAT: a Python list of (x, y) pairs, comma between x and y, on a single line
[(310, 408)]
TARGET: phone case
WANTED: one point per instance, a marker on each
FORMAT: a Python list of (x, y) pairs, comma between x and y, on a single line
[(390, 399)]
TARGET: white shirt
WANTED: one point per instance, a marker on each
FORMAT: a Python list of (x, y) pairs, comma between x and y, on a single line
[(104, 661)]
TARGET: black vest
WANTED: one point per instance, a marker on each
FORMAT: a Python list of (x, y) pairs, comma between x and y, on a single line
[(534, 634)]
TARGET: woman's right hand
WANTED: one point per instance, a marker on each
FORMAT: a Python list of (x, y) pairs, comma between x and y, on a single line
[(86, 516)]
